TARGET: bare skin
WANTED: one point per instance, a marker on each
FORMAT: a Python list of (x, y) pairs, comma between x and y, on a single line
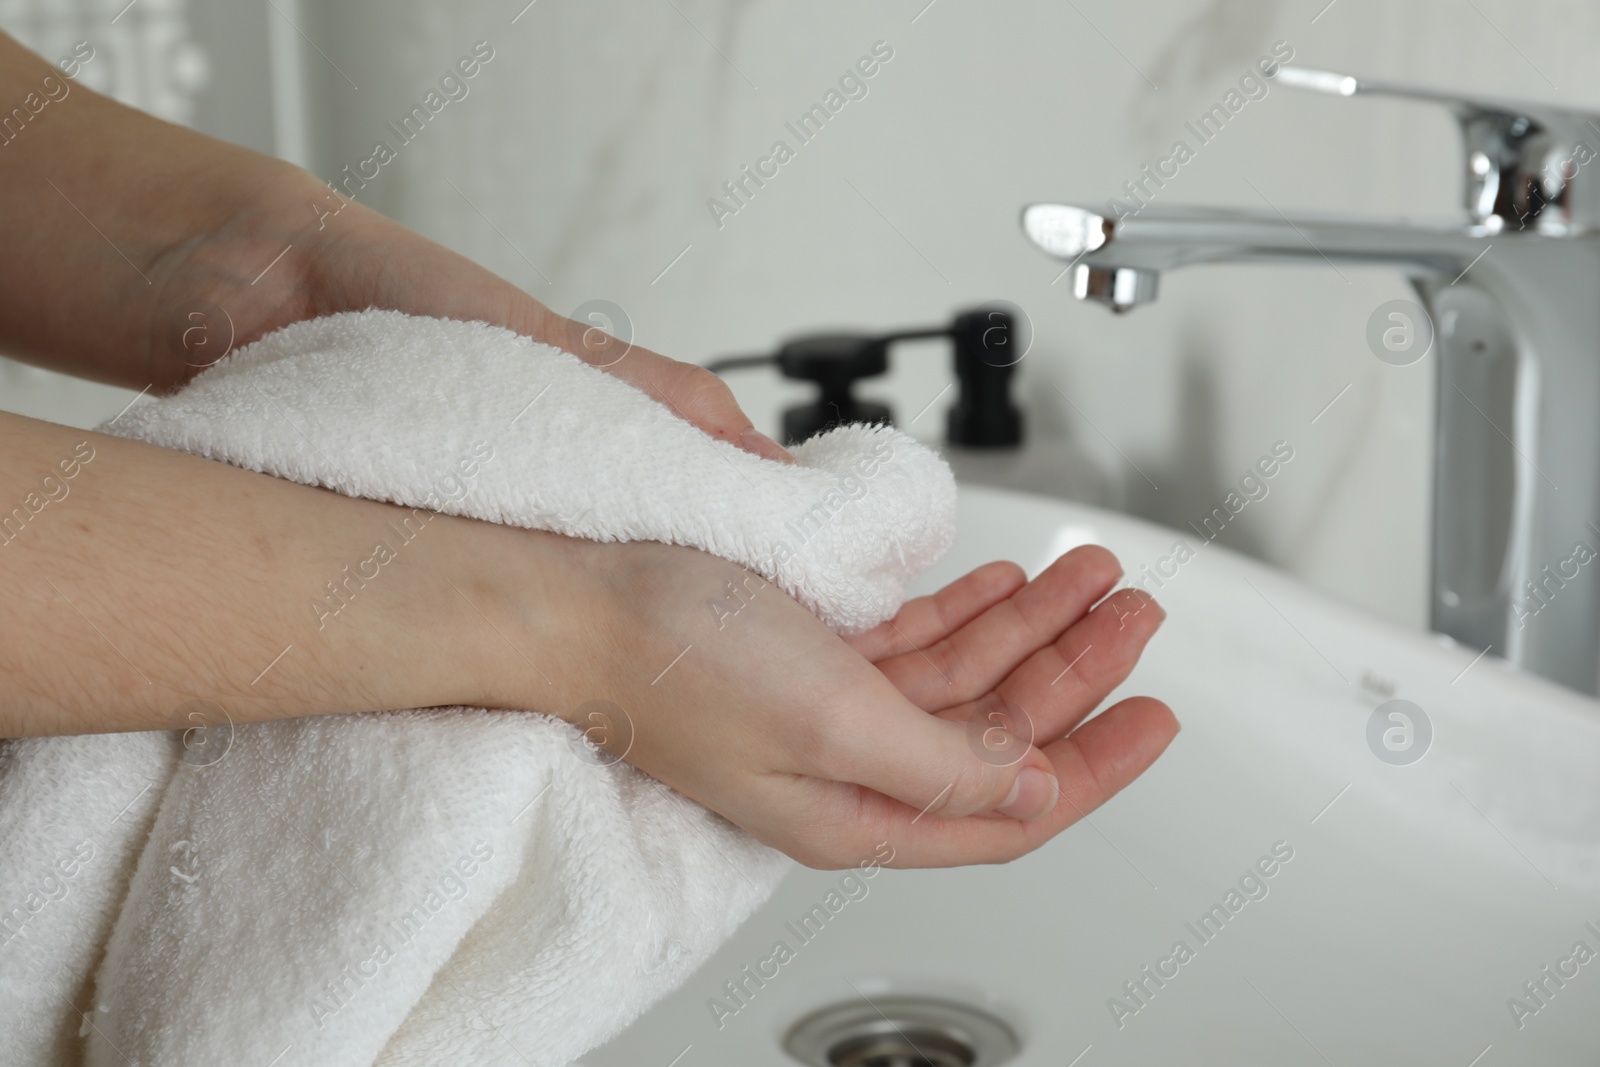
[(161, 578)]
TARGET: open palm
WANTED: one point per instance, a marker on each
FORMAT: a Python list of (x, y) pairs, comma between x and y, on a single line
[(1022, 663), (913, 734)]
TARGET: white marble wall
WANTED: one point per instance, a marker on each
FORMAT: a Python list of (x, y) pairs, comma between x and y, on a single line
[(581, 161)]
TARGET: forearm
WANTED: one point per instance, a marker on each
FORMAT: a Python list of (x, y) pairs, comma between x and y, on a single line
[(97, 204), (137, 579)]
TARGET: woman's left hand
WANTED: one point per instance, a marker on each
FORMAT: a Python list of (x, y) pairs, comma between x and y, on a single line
[(338, 255)]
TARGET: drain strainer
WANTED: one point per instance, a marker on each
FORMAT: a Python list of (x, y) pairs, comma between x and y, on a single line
[(901, 1032)]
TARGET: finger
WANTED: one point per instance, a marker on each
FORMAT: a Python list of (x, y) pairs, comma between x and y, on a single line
[(695, 394), (975, 658), (1097, 761), (1103, 756), (1057, 687), (929, 619)]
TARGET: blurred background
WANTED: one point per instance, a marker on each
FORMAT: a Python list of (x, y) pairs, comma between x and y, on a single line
[(581, 162)]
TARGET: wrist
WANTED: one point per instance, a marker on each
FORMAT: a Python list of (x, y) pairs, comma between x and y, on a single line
[(233, 272), (520, 618), (121, 227)]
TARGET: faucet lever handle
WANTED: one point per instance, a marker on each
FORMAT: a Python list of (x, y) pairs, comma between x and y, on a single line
[(1523, 158)]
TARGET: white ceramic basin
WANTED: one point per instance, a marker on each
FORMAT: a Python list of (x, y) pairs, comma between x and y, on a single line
[(1419, 900)]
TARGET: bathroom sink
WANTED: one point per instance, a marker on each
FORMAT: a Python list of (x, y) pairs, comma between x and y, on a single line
[(1417, 911)]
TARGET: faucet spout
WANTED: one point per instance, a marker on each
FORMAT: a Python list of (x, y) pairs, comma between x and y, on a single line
[(1118, 259)]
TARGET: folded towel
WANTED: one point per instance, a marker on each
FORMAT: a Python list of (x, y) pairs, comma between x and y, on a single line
[(422, 886)]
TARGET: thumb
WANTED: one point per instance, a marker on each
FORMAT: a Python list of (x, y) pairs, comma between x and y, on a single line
[(951, 769)]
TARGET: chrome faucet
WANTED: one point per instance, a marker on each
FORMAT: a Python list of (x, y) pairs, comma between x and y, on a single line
[(1512, 299)]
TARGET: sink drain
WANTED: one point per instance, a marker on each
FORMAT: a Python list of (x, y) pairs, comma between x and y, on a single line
[(901, 1032)]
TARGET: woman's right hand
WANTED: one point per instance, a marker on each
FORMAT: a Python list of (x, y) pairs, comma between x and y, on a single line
[(824, 747), (153, 579)]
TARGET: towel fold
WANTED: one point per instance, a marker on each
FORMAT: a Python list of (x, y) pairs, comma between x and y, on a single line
[(422, 886)]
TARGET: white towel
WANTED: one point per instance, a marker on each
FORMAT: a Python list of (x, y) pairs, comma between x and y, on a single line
[(417, 887)]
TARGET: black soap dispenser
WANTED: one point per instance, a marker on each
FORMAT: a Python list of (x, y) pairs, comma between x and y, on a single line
[(985, 345), (984, 428)]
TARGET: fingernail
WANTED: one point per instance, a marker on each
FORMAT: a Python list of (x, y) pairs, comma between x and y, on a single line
[(755, 441), (1032, 795)]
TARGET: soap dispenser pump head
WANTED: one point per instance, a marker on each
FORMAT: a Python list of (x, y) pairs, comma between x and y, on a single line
[(834, 362)]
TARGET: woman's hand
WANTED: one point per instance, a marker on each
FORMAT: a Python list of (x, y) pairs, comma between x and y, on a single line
[(944, 732), (338, 255)]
